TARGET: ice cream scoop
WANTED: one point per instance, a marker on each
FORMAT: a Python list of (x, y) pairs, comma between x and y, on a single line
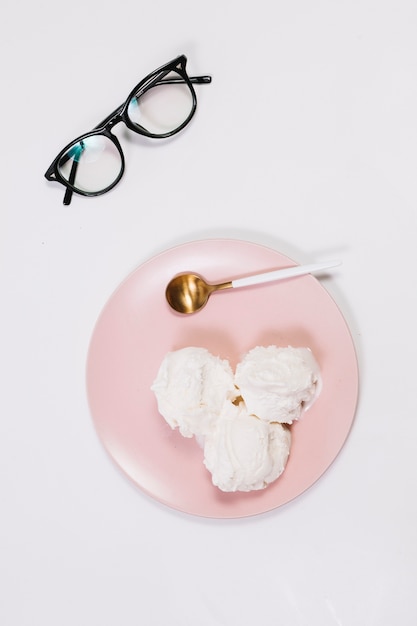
[(188, 293), (191, 388), (278, 384), (243, 453)]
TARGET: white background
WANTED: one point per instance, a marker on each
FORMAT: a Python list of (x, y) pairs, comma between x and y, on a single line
[(306, 141)]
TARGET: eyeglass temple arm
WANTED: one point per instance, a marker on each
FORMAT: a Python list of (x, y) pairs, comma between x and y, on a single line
[(68, 191), (197, 80), (200, 79), (71, 180)]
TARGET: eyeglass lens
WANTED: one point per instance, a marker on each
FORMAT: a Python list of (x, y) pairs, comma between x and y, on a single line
[(98, 164), (163, 108)]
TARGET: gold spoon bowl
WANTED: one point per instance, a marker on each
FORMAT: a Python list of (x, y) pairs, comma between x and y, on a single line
[(188, 293)]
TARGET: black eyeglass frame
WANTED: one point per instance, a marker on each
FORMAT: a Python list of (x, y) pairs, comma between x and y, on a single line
[(157, 77)]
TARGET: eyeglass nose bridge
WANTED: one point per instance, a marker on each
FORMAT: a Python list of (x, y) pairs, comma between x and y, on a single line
[(111, 120)]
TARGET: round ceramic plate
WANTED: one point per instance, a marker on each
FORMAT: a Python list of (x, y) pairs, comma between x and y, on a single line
[(137, 328)]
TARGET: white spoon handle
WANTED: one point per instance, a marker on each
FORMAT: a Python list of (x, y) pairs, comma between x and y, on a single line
[(286, 272)]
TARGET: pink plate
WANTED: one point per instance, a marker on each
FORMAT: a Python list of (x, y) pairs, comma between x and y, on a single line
[(137, 328)]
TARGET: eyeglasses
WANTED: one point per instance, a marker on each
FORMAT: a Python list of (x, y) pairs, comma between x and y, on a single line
[(159, 106)]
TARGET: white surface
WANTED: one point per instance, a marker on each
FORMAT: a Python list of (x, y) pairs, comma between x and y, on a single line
[(306, 142)]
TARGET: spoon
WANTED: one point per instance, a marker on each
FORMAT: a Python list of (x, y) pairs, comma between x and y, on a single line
[(188, 293)]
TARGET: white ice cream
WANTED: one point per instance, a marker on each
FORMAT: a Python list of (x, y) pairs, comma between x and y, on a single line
[(278, 383), (244, 453), (191, 387), (238, 419)]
